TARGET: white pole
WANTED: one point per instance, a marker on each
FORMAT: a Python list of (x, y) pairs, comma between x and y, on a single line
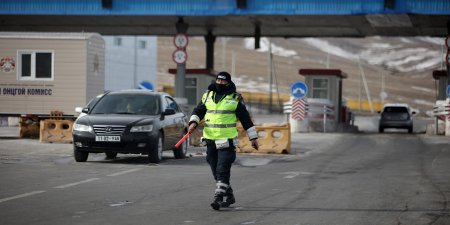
[(328, 60), (224, 53), (233, 63), (270, 70), (382, 86), (443, 57), (365, 85), (360, 90), (324, 118), (135, 63)]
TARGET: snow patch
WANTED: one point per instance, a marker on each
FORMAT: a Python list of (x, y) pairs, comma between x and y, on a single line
[(423, 102), (432, 40), (423, 89), (264, 47), (325, 46)]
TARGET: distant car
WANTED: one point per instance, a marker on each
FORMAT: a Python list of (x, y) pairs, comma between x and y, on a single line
[(130, 121), (396, 116)]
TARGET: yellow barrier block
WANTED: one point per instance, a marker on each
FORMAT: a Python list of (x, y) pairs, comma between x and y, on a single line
[(272, 138), (263, 97), (56, 131), (354, 104)]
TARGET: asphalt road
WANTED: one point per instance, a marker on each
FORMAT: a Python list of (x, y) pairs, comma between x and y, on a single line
[(329, 179)]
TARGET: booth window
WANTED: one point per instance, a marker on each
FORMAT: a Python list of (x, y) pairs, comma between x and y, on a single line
[(117, 41), (142, 44), (320, 88), (171, 104), (35, 65), (191, 90)]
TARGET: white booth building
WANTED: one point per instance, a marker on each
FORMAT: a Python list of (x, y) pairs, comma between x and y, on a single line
[(130, 60)]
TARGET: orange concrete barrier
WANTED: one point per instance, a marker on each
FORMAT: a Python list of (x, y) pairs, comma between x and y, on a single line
[(52, 130), (56, 115), (272, 138)]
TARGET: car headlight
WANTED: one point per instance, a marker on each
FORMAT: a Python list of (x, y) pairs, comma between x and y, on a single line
[(143, 128), (81, 127)]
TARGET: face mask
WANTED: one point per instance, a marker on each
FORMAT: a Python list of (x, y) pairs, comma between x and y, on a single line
[(221, 87)]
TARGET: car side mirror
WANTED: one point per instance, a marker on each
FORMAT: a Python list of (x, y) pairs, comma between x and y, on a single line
[(85, 110), (169, 111), (78, 109)]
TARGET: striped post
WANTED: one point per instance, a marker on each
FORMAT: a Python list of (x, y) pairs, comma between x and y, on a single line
[(298, 109)]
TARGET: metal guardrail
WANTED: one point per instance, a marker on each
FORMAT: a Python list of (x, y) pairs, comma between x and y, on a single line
[(325, 110), (287, 107), (440, 112), (287, 110)]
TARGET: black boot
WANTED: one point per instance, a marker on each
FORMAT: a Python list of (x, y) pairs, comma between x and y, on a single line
[(229, 198), (218, 201), (221, 189)]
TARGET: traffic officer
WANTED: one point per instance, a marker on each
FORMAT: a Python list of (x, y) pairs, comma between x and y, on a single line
[(221, 106)]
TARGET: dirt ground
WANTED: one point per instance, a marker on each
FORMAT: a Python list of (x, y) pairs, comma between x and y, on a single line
[(416, 87)]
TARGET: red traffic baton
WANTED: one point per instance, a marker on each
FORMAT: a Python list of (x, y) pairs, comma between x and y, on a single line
[(182, 140)]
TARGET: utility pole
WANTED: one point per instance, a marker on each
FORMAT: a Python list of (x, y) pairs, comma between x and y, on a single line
[(360, 89), (365, 85), (383, 94), (181, 27), (224, 41), (233, 63), (270, 76), (135, 63), (328, 60)]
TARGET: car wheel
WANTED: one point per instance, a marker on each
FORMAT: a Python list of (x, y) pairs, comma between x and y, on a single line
[(80, 156), (181, 152), (111, 155), (155, 154), (410, 130), (380, 129)]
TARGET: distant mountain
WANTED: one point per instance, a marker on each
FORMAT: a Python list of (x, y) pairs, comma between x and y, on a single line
[(405, 63)]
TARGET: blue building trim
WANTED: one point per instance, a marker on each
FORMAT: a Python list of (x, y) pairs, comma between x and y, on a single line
[(221, 7)]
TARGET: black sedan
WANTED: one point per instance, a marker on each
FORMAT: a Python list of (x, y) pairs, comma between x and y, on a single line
[(131, 121)]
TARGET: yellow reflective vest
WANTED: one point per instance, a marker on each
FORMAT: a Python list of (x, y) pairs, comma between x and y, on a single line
[(220, 118)]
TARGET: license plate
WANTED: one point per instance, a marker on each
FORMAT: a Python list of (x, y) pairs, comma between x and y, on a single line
[(108, 138)]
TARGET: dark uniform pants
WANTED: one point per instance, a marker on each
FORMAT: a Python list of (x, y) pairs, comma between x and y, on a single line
[(220, 160)]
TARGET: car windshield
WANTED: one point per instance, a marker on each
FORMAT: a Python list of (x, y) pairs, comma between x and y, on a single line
[(138, 104), (94, 100)]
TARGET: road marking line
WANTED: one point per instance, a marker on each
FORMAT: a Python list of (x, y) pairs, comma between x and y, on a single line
[(21, 196), (123, 172), (293, 174), (76, 183), (290, 175)]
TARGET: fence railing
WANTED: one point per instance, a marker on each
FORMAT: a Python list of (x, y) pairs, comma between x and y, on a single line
[(440, 112), (314, 111)]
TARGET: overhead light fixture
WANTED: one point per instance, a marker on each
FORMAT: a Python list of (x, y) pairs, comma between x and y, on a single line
[(181, 25), (107, 4), (389, 4), (257, 35), (241, 4)]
